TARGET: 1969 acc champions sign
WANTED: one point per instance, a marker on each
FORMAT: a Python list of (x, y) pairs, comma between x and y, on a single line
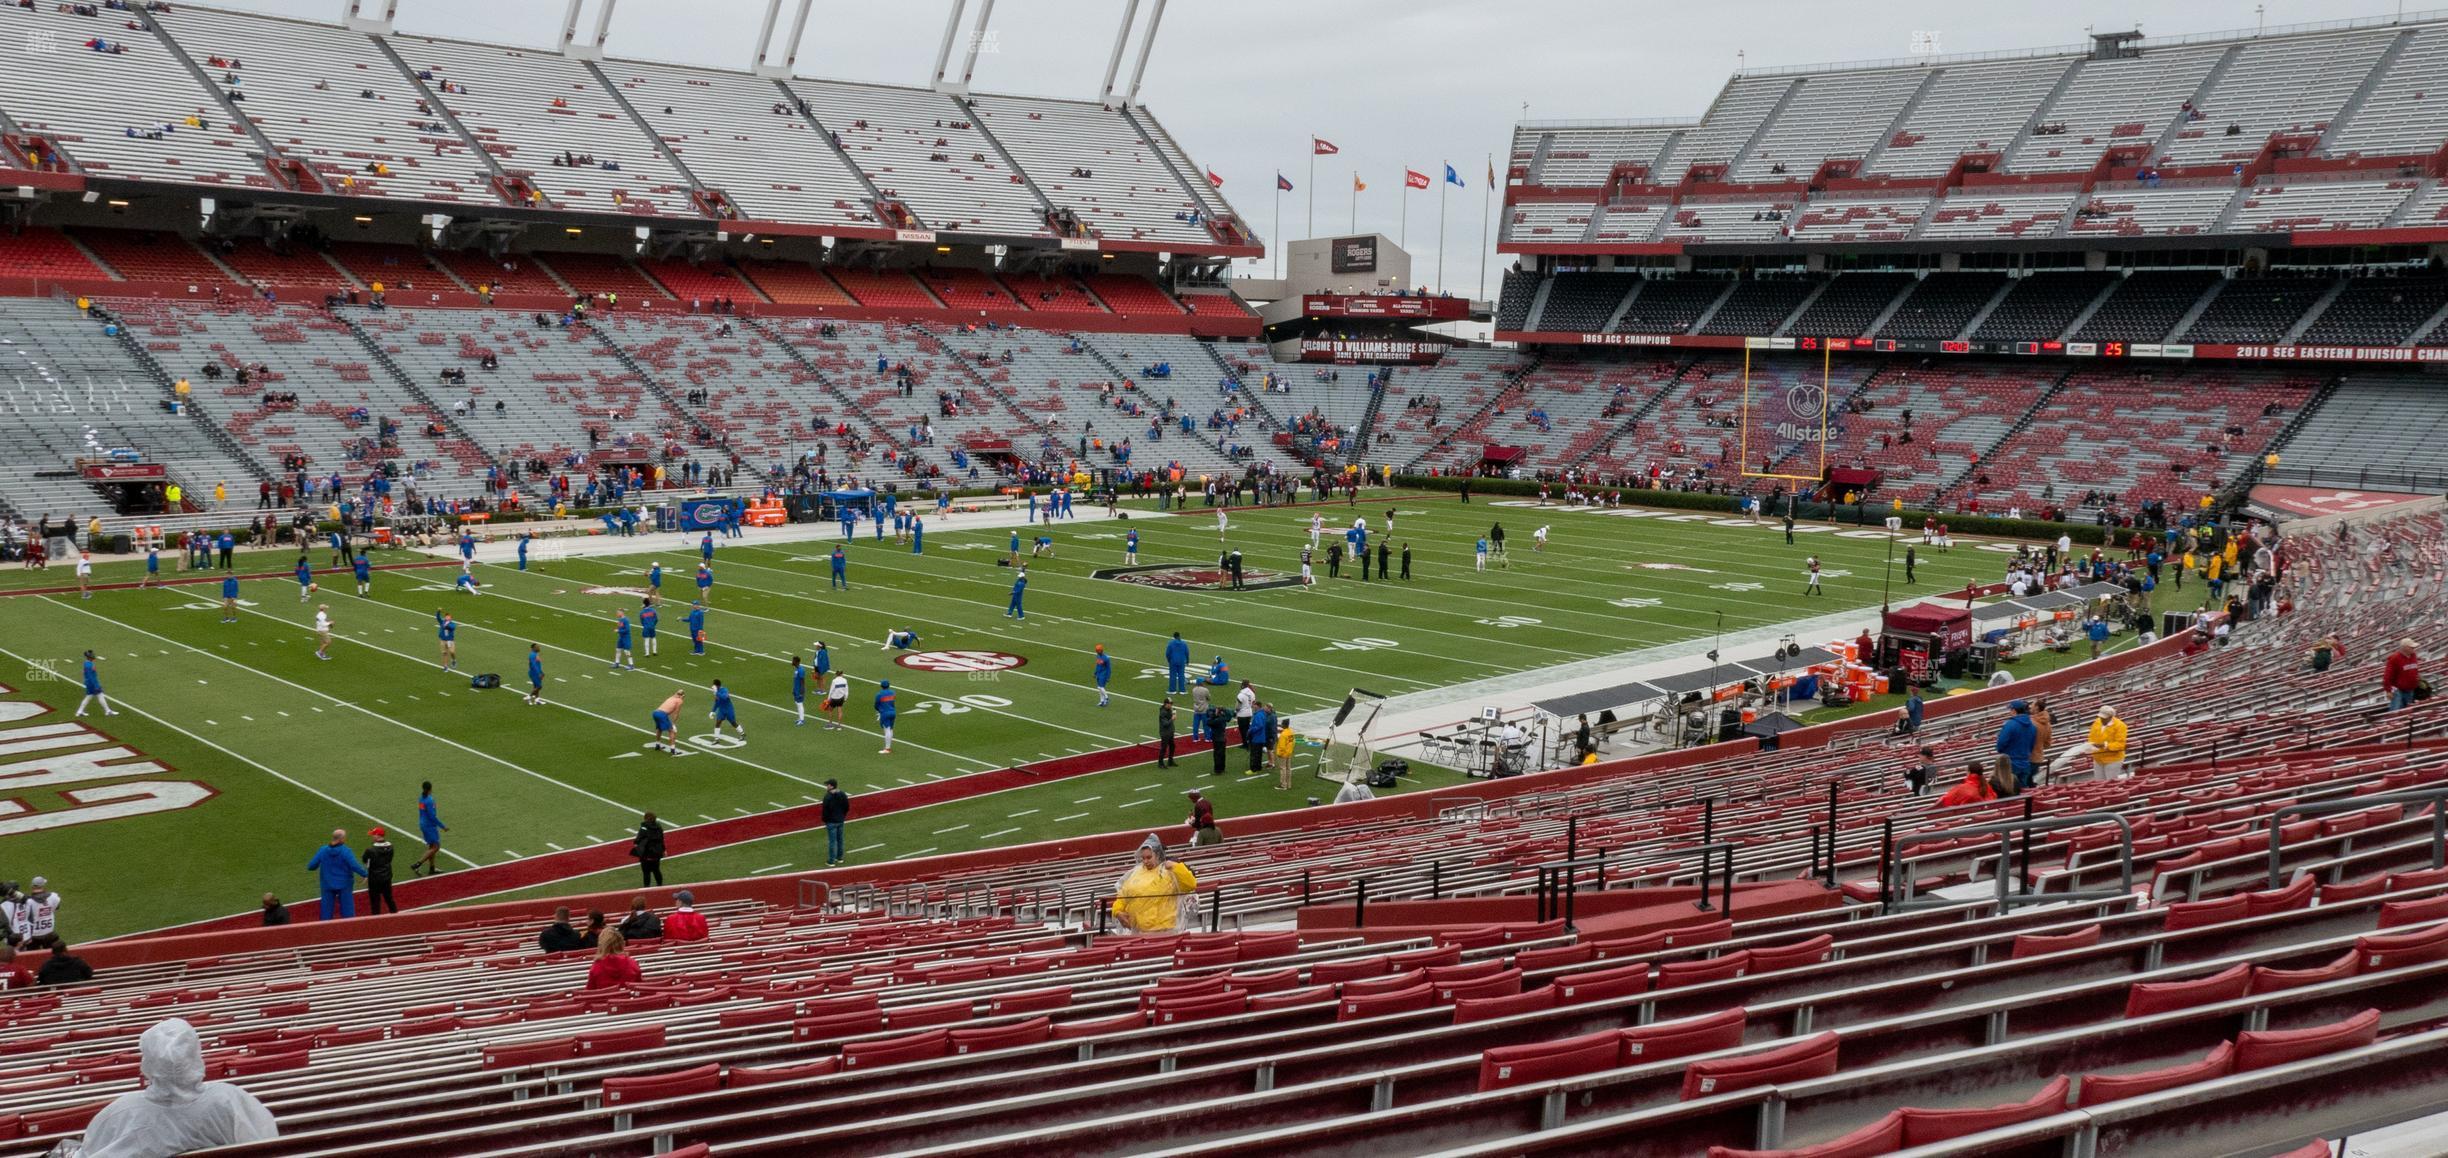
[(960, 662)]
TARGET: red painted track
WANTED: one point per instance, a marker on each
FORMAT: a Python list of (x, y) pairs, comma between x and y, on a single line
[(526, 872)]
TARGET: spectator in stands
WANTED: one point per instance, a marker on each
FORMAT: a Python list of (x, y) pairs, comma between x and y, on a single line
[(647, 847), (1201, 820), (641, 921), (1149, 897), (613, 966), (1913, 708), (12, 974), (560, 936), (1972, 789), (274, 912), (2401, 676), (2326, 652), (177, 1111), (685, 923), (2016, 738), (63, 967)]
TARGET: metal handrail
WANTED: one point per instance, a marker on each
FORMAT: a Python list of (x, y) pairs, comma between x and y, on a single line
[(1726, 898), (1559, 881), (2006, 830), (2436, 797)]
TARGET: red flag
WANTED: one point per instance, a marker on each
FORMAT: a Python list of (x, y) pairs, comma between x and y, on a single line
[(1322, 147), (1214, 180), (1415, 179)]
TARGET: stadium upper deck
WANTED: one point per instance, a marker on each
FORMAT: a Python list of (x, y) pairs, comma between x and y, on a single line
[(317, 115), (2319, 134)]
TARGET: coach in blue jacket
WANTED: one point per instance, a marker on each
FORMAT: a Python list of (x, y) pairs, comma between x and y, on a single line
[(2015, 740), (339, 869), (1177, 664)]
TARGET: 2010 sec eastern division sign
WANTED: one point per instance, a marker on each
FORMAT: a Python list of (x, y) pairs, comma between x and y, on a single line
[(1176, 577)]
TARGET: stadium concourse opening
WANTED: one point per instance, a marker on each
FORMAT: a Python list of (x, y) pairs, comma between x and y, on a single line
[(645, 607)]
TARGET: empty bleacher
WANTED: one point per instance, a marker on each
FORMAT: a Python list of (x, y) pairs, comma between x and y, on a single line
[(1970, 108), (1972, 214), (1582, 157), (739, 134), (1847, 307), (1582, 303), (1858, 219), (1941, 304), (156, 124), (2375, 431), (2256, 309), (2116, 102), (1758, 305), (911, 144), (2277, 208), (2285, 85), (2165, 435), (2402, 115), (1833, 114), (2042, 305), (1129, 193), (2379, 311), (2146, 305)]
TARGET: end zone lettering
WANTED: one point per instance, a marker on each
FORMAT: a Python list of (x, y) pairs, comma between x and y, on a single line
[(53, 763)]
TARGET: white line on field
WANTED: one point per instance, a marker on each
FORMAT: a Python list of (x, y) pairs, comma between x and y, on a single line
[(1072, 817), (954, 828), (999, 832), (771, 868)]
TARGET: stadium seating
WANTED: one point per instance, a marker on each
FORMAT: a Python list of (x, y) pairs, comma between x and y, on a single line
[(2146, 305), (1967, 214), (1670, 305), (1941, 305), (154, 257), (45, 253), (1834, 114), (2256, 309), (1848, 306), (1131, 192), (1757, 306), (2122, 101), (1582, 157), (2284, 85), (2321, 205), (1970, 109), (1739, 111), (2380, 311), (158, 124), (1582, 303), (2141, 210), (1863, 219), (2040, 307), (2398, 118), (895, 135), (739, 136), (2374, 431), (1547, 222), (2168, 435)]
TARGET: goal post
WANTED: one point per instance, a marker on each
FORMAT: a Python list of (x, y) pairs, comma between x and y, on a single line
[(1793, 413)]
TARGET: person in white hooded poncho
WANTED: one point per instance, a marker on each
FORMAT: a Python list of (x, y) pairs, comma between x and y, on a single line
[(177, 1111)]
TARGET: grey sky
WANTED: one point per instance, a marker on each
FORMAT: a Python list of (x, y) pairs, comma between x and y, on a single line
[(1419, 83)]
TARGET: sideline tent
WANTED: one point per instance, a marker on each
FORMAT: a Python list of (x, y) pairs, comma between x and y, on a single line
[(1927, 637)]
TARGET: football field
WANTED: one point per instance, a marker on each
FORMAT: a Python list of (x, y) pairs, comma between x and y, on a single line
[(237, 751)]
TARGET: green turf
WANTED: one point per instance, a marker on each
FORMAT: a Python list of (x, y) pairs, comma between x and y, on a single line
[(292, 747)]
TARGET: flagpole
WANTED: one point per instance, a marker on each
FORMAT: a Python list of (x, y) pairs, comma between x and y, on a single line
[(1355, 220), (1487, 213), (1441, 187), (1275, 229), (1402, 232), (1313, 186)]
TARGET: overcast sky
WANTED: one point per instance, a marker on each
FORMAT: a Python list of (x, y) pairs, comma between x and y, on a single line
[(1243, 84)]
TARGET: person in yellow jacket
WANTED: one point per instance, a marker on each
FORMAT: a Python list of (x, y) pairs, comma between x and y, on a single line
[(2108, 744), (1283, 754), (1149, 897)]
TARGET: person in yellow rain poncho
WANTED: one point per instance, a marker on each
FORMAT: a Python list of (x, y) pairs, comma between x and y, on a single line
[(1150, 896), (1283, 754)]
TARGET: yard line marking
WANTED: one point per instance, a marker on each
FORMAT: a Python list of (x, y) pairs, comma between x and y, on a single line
[(1088, 800), (554, 847), (999, 832), (257, 764), (280, 712), (1024, 812), (1068, 819), (1136, 803), (594, 840), (1149, 787), (703, 816), (778, 805), (512, 853), (771, 868), (356, 707), (868, 847), (906, 782), (920, 852)]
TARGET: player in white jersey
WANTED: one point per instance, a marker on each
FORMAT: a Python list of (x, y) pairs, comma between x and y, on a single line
[(836, 695), (1317, 525), (323, 629)]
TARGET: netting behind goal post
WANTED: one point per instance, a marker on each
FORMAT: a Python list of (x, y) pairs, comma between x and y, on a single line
[(1349, 753), (1775, 415)]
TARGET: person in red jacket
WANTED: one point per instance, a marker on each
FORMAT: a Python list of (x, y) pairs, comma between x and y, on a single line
[(1974, 788), (2402, 676), (685, 923), (613, 966)]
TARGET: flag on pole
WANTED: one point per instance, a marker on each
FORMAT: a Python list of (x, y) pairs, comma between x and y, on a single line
[(1321, 147), (1358, 185), (1214, 180), (1491, 173), (1283, 183), (1453, 178), (1414, 179)]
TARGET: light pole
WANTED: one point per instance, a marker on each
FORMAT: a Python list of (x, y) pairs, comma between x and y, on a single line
[(1887, 578)]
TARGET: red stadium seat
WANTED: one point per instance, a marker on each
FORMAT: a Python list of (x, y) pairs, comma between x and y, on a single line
[(1602, 984), (1287, 999), (933, 1043), (678, 1083), (2394, 950), (1419, 996), (1640, 946), (2268, 980), (837, 1025), (1880, 1137), (49, 1123), (1387, 984), (1505, 984), (1705, 934), (1168, 1011), (1200, 958), (1810, 952), (1424, 958), (1667, 1040), (2400, 914), (1515, 1065), (620, 1040), (2100, 1089), (1467, 1009), (2418, 879), (700, 1150), (738, 1076), (1032, 1001), (2036, 944), (530, 1053), (267, 1063), (1725, 968), (2344, 891), (1019, 1033), (778, 1013), (1478, 938), (2149, 997), (2286, 900), (1066, 1030), (1923, 1127), (1529, 959), (938, 1013), (1334, 972), (2198, 914), (1811, 1057), (1267, 981), (2260, 1049)]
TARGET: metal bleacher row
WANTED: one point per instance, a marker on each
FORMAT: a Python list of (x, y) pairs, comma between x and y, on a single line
[(2227, 998), (412, 118), (2018, 145)]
